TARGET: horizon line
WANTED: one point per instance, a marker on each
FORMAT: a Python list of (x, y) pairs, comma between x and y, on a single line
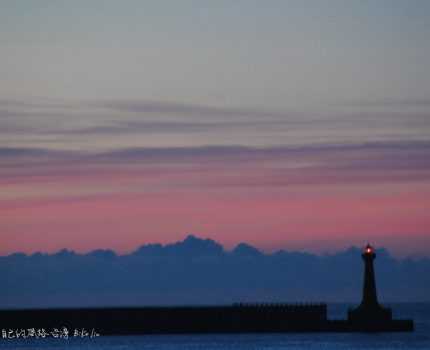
[(224, 250)]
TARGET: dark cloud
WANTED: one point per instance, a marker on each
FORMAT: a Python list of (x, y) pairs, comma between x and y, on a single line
[(16, 152), (201, 271), (412, 154), (379, 153)]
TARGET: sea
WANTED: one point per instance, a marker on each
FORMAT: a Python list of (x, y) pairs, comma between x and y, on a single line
[(419, 339)]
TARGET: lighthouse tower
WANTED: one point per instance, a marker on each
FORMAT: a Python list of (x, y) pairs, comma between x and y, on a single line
[(369, 310)]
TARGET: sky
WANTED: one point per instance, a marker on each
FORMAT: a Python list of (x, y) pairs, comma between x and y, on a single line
[(287, 124)]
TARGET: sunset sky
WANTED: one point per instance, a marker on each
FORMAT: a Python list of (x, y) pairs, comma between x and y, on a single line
[(286, 124)]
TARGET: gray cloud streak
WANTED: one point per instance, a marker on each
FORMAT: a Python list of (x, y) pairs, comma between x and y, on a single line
[(274, 166)]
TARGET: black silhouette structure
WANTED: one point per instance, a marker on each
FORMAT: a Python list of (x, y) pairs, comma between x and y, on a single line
[(369, 316), (369, 311)]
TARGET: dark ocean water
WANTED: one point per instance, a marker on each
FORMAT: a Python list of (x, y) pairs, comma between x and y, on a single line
[(420, 339)]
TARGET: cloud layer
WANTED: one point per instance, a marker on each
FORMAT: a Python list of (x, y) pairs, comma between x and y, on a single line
[(201, 271)]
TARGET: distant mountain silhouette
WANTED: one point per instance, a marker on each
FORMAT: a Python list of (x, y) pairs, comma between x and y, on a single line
[(244, 249), (201, 271)]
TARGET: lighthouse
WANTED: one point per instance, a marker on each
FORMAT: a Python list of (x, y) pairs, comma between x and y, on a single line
[(369, 309), (370, 298)]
